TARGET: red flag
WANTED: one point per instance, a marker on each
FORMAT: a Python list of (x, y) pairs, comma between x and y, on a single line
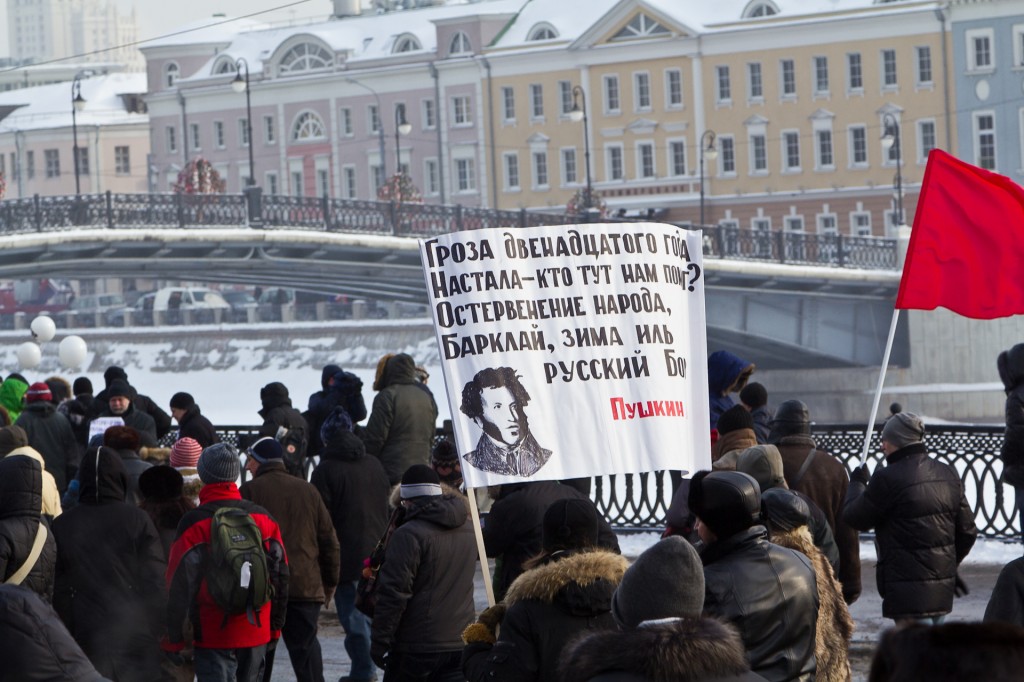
[(966, 250)]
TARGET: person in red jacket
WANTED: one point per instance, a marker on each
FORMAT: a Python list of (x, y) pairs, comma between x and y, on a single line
[(227, 647)]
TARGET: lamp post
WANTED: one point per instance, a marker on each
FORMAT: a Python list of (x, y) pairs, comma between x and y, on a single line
[(77, 104), (242, 85), (380, 126), (402, 127), (891, 140), (709, 152), (576, 114)]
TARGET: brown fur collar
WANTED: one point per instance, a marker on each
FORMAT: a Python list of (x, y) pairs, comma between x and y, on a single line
[(545, 581), (680, 651)]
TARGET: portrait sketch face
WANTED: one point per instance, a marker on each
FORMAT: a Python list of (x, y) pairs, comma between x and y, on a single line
[(502, 416)]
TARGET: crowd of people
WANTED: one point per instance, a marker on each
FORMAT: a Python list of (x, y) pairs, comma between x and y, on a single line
[(125, 560)]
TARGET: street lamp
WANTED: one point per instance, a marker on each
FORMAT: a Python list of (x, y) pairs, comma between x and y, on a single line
[(709, 152), (891, 140), (576, 114), (380, 126), (402, 127), (77, 104), (242, 85)]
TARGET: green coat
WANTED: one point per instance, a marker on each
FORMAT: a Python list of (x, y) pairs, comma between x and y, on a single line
[(11, 393)]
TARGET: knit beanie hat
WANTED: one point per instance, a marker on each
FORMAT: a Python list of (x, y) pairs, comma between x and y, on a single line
[(335, 423), (265, 450), (11, 438), (754, 395), (902, 429), (161, 483), (326, 373), (735, 418), (727, 502), (444, 452), (665, 581), (82, 385), (37, 392), (219, 464), (119, 388), (114, 372), (784, 509), (764, 463), (122, 438), (570, 524), (185, 453), (182, 401), (419, 480)]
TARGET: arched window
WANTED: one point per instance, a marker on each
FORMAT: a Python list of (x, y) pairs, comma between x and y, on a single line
[(308, 127), (170, 73), (305, 57), (224, 66), (460, 44), (759, 8), (406, 43), (641, 26), (542, 32)]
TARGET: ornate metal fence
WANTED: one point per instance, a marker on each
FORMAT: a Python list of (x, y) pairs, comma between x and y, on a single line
[(640, 501)]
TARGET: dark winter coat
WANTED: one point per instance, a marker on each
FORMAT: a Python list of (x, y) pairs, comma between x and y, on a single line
[(769, 593), (80, 411), (825, 482), (346, 391), (548, 607), (425, 585), (355, 491), (194, 425), (703, 650), (51, 435), (21, 500), (1011, 371), (35, 646), (133, 466), (143, 403), (402, 425), (924, 528), (726, 374), (513, 527), (1006, 605), (306, 529), (761, 417), (109, 585), (138, 420), (278, 413)]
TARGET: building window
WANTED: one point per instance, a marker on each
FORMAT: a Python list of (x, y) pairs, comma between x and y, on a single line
[(794, 223), (726, 155), (858, 145), (821, 75), (171, 74), (565, 97), (612, 104), (979, 50), (304, 57), (828, 224), (645, 160), (122, 160), (673, 88), (791, 151), (171, 136), (431, 177), (373, 118), (323, 182), (508, 105), (925, 139), (243, 132), (569, 173), (536, 101), (540, 170), (30, 164), (347, 125), (308, 127), (889, 69), (642, 91), (542, 32), (860, 224), (461, 114), (429, 114), (614, 162), (348, 182), (758, 153), (218, 134), (677, 158), (406, 43), (787, 74), (755, 85), (854, 72), (460, 44), (269, 131), (641, 26), (270, 180), (83, 160), (924, 65), (825, 157), (985, 140), (724, 88), (193, 133), (465, 179), (511, 171), (297, 189), (51, 159)]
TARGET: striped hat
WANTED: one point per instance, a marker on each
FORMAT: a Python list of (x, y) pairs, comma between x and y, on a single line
[(185, 453), (38, 391)]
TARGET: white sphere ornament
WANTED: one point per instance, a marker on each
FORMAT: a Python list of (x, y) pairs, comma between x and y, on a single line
[(29, 355), (72, 351), (43, 328)]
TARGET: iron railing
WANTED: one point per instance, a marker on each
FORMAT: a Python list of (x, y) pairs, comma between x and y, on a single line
[(414, 220), (640, 501)]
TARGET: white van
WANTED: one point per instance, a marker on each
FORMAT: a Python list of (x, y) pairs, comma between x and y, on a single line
[(202, 303)]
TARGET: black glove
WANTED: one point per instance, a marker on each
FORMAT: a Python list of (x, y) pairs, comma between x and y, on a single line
[(960, 587), (379, 655), (860, 474)]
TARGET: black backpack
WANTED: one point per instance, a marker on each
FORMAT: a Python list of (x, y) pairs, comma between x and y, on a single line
[(237, 575)]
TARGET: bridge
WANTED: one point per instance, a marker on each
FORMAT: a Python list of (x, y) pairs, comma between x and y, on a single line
[(780, 299)]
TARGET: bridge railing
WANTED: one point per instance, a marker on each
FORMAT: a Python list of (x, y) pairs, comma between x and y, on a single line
[(801, 248), (640, 501)]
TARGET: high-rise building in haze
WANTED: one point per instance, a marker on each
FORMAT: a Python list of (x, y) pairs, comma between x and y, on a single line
[(42, 30)]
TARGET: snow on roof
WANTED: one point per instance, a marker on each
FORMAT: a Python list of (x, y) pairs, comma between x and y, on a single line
[(214, 29), (49, 106)]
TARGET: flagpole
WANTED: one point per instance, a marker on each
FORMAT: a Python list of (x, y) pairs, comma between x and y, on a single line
[(481, 550), (881, 381)]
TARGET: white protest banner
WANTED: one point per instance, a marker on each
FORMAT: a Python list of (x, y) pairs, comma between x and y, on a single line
[(572, 351), (99, 425)]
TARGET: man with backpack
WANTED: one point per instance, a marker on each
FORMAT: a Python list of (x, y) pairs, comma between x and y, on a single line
[(228, 573)]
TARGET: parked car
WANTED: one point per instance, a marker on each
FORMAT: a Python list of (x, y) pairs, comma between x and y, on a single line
[(203, 302), (141, 313), (241, 303), (85, 308)]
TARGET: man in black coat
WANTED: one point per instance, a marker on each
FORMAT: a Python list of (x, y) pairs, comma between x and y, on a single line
[(285, 423), (191, 422), (50, 434), (923, 524), (143, 403), (120, 404)]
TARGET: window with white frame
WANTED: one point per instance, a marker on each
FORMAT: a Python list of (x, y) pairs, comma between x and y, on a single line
[(858, 145), (677, 158), (510, 160), (542, 31), (270, 182), (377, 173), (828, 224), (1018, 45), (431, 177), (406, 43), (794, 223), (171, 71), (429, 113), (297, 183), (723, 88), (985, 140), (925, 138), (564, 97), (269, 131), (640, 26), (348, 182), (83, 161), (642, 91), (726, 155), (305, 57), (122, 160), (171, 139), (612, 101), (673, 88), (889, 81), (460, 44), (923, 65), (373, 118), (762, 229), (570, 175), (860, 224), (540, 169), (614, 168), (243, 132), (791, 151), (824, 155), (308, 128), (536, 101), (461, 113), (787, 78), (323, 183), (348, 128), (193, 135), (465, 175), (508, 105), (854, 72), (755, 83), (758, 153), (979, 49), (645, 164), (218, 135), (821, 76)]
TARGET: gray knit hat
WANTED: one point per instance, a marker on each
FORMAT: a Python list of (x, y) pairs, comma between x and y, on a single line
[(903, 429), (666, 581), (219, 464)]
